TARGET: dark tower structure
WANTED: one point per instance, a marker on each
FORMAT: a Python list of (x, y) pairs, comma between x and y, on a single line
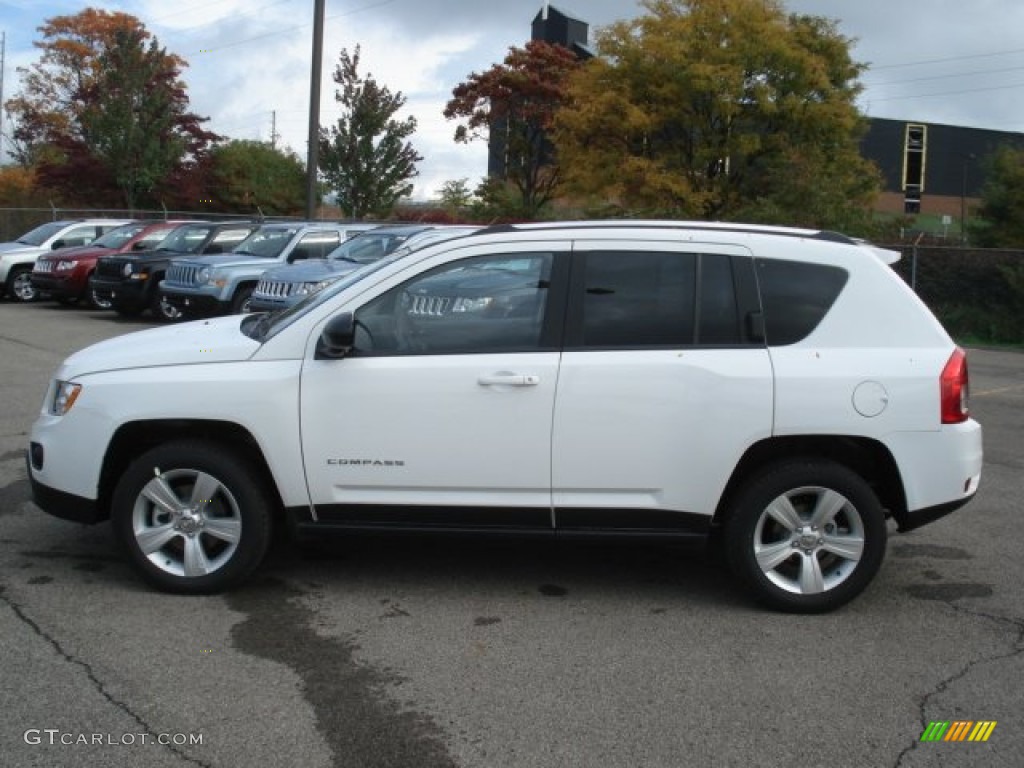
[(550, 25)]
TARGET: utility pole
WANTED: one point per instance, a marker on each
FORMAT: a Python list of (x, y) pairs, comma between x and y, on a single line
[(313, 149), (3, 52), (273, 129)]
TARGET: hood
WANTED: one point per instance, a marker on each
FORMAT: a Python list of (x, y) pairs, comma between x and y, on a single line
[(310, 271), (20, 248), (228, 260), (78, 252), (202, 341)]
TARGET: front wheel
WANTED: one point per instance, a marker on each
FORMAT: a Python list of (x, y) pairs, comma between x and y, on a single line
[(193, 518), (163, 310), (19, 285), (242, 302), (806, 536)]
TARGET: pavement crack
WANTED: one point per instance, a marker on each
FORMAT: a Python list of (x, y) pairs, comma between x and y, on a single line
[(93, 678), (944, 685)]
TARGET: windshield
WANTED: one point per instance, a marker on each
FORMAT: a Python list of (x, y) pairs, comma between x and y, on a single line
[(266, 242), (187, 239), (262, 326), (42, 233), (367, 247), (116, 238)]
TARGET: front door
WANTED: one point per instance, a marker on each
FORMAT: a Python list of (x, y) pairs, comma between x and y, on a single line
[(442, 413)]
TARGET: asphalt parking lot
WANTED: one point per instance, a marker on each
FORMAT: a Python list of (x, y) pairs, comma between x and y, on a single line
[(417, 653)]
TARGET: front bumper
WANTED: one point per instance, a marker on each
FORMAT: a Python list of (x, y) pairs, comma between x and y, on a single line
[(66, 506), (193, 302), (57, 287), (121, 293)]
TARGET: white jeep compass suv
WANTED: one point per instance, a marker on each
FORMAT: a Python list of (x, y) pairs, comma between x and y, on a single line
[(782, 390)]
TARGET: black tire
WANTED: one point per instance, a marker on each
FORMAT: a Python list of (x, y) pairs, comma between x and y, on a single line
[(805, 536), (95, 302), (164, 311), (19, 285), (221, 538), (241, 300)]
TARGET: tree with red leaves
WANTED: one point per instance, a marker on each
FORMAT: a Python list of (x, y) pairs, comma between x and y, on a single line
[(512, 106), (103, 115)]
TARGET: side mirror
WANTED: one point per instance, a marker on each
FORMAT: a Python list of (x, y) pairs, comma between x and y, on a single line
[(139, 246), (337, 338), (57, 244)]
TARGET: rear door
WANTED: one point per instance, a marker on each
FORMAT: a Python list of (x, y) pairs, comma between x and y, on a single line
[(664, 382)]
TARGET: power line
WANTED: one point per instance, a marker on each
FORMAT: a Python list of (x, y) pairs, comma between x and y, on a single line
[(947, 93), (948, 58), (946, 77)]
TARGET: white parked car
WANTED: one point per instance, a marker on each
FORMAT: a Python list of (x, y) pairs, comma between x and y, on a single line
[(780, 390), (18, 258)]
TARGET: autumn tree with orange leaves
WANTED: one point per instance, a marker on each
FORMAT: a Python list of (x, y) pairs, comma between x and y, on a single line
[(512, 105), (103, 115)]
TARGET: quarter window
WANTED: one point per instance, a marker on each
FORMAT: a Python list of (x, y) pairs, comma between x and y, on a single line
[(796, 296)]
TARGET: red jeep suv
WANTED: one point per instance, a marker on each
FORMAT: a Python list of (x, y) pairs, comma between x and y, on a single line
[(64, 274)]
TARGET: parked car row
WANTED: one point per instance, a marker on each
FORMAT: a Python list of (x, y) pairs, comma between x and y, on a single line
[(180, 269)]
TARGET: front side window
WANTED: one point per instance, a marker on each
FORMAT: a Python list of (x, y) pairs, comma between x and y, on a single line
[(79, 236), (482, 304)]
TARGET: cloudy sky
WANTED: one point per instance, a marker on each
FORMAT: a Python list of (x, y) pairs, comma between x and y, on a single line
[(959, 62)]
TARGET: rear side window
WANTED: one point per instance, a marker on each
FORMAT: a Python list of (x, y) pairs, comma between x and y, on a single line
[(796, 296), (639, 299)]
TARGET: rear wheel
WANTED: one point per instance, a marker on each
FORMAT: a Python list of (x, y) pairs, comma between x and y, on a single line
[(193, 518), (806, 536)]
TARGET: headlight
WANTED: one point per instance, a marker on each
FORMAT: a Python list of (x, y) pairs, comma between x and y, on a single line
[(64, 395), (307, 288), (471, 305), (64, 266), (203, 275), (126, 270)]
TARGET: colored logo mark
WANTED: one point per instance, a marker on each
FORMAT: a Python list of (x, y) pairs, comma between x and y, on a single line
[(958, 730)]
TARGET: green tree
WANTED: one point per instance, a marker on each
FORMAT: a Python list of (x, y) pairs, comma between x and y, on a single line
[(249, 175), (103, 115), (719, 109), (365, 157), (511, 106), (999, 222), (455, 195)]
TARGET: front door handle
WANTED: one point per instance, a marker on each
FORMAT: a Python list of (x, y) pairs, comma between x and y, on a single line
[(508, 379)]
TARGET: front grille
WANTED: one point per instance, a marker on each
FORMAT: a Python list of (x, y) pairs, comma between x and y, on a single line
[(110, 268), (430, 305), (44, 267), (273, 289), (184, 274)]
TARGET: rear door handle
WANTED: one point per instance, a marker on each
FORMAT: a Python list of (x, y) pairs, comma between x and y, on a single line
[(507, 379)]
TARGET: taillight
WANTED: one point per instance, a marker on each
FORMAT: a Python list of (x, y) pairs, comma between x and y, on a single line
[(954, 388)]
